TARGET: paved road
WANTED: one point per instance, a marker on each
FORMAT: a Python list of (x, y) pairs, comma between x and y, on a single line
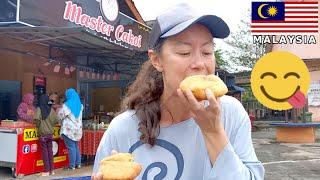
[(281, 161), (284, 161)]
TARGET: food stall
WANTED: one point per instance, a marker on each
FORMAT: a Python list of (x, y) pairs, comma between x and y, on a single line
[(44, 42), (93, 130), (22, 150)]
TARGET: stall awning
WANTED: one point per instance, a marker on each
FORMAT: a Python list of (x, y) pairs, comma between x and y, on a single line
[(80, 42), (77, 39), (235, 88)]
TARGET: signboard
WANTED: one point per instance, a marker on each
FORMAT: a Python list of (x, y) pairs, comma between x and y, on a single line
[(39, 87), (314, 94), (109, 9), (101, 19), (39, 81), (8, 10), (31, 134), (29, 157)]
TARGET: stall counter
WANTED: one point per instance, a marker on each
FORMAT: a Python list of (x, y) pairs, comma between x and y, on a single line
[(20, 150)]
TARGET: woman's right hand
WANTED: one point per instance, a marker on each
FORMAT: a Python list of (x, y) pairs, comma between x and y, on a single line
[(97, 176)]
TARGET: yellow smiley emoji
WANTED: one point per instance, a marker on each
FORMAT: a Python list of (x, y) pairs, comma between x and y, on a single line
[(280, 81)]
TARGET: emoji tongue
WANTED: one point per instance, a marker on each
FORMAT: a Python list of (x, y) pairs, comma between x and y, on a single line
[(298, 100)]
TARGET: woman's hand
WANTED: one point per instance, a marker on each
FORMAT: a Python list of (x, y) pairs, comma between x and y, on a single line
[(99, 176), (208, 118)]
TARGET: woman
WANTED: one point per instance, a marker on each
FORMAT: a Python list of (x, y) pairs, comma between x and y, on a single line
[(71, 126), (26, 109), (45, 119), (169, 130), (55, 101)]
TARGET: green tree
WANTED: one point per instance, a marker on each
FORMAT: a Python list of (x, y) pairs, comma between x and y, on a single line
[(218, 53), (243, 51)]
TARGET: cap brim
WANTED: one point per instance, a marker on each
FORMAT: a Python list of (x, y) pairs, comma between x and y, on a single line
[(217, 27)]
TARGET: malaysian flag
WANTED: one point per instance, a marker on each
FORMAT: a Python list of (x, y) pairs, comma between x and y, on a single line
[(289, 17)]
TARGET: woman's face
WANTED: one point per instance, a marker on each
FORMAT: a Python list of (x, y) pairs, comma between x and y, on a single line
[(30, 102), (28, 99), (188, 53)]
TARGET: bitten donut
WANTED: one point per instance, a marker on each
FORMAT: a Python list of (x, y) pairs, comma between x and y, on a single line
[(119, 166), (198, 83)]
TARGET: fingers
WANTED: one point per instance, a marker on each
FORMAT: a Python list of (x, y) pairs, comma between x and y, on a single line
[(113, 152), (213, 101), (188, 98), (191, 100), (182, 96), (211, 98), (97, 176)]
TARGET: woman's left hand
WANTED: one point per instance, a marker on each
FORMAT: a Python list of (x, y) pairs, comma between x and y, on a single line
[(208, 118)]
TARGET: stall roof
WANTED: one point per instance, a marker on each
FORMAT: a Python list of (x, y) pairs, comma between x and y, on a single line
[(79, 41), (235, 88)]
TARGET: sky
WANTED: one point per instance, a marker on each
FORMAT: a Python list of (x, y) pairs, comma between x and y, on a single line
[(232, 14)]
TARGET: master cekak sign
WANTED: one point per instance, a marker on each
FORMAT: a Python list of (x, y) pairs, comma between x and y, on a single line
[(74, 13)]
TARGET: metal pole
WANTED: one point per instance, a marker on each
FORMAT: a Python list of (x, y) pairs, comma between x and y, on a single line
[(286, 115)]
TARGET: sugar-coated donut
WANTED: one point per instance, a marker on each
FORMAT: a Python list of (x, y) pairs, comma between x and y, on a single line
[(119, 167), (198, 83)]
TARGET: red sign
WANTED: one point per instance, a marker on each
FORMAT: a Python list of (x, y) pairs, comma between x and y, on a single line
[(39, 81), (29, 158), (74, 13)]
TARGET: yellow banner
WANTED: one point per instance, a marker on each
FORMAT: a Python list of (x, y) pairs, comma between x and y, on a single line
[(56, 132), (31, 134), (55, 160)]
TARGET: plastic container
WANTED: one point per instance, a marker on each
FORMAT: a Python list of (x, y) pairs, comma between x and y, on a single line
[(308, 116), (15, 124)]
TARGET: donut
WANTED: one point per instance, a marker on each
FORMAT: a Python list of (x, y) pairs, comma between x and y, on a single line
[(119, 166), (198, 83)]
